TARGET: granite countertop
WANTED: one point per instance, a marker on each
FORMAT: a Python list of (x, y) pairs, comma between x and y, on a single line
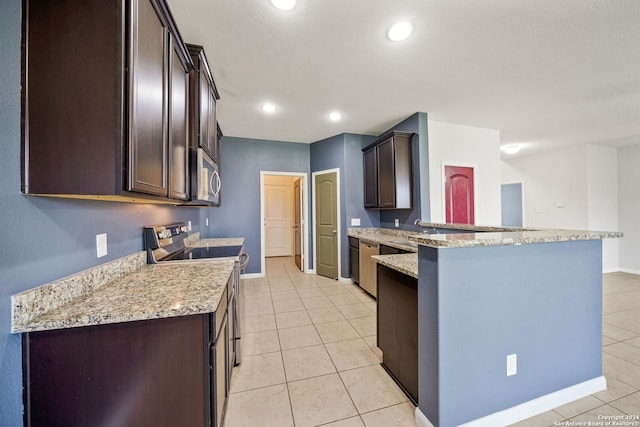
[(404, 263), (483, 236), (521, 237), (475, 236), (125, 290), (395, 238), (218, 241)]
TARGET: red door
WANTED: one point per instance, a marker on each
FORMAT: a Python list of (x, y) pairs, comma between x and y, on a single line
[(458, 189)]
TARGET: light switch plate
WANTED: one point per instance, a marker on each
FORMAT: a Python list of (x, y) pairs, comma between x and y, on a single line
[(355, 222), (397, 222), (101, 245)]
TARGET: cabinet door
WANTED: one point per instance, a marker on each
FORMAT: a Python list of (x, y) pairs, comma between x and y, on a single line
[(148, 107), (178, 134), (386, 174), (205, 103), (212, 140), (354, 259), (397, 325), (370, 178), (154, 371), (219, 381)]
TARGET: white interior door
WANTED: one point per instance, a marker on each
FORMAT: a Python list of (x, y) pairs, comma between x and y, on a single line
[(278, 221)]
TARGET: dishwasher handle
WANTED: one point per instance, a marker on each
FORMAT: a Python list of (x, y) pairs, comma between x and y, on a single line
[(244, 260)]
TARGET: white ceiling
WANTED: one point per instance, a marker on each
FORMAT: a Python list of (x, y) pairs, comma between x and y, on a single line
[(545, 72)]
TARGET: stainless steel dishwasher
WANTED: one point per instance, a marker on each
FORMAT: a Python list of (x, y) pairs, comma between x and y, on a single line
[(368, 276)]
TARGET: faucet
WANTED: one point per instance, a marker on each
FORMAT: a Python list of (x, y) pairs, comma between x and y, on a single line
[(425, 230), (417, 222)]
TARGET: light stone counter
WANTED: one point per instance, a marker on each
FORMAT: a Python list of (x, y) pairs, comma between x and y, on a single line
[(487, 238), (404, 263), (384, 236), (194, 241), (484, 236), (125, 290)]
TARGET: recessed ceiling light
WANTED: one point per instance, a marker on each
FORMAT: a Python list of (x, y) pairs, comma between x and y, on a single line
[(334, 116), (511, 149), (284, 4), (268, 107), (400, 31)]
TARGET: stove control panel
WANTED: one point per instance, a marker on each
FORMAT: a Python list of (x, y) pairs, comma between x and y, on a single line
[(162, 240)]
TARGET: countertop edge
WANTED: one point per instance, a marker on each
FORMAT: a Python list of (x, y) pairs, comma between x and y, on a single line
[(509, 238), (485, 236), (403, 263)]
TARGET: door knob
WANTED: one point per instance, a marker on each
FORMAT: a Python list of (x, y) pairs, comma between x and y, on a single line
[(334, 231)]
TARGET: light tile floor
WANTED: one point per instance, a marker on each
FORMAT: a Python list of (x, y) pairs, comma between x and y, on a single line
[(310, 357)]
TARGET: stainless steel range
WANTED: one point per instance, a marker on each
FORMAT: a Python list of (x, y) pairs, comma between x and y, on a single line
[(166, 244)]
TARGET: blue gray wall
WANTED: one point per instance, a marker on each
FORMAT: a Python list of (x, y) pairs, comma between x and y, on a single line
[(354, 181), (478, 305), (416, 124), (239, 213), (324, 155), (344, 152), (49, 238)]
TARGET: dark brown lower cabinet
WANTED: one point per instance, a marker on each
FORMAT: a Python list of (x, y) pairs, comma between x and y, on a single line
[(397, 305), (143, 373)]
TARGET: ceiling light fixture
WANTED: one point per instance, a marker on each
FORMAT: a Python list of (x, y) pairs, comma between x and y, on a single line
[(284, 4), (400, 31), (268, 107), (335, 116), (511, 149)]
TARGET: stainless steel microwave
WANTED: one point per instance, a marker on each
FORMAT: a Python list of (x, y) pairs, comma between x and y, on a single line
[(205, 178)]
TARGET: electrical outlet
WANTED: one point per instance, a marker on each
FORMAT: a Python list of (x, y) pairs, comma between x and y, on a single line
[(512, 364), (189, 226), (101, 245), (355, 222), (397, 222), (206, 222)]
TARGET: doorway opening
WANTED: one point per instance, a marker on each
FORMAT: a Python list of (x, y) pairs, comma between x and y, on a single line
[(284, 211), (512, 205), (326, 220)]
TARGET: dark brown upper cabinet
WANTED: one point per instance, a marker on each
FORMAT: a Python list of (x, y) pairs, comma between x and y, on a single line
[(388, 172), (104, 100), (204, 96)]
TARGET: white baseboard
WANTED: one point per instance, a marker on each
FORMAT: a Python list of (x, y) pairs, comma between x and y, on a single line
[(532, 407), (421, 420), (252, 275), (629, 270), (345, 280)]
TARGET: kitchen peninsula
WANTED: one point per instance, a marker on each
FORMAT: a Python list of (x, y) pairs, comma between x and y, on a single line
[(509, 321)]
